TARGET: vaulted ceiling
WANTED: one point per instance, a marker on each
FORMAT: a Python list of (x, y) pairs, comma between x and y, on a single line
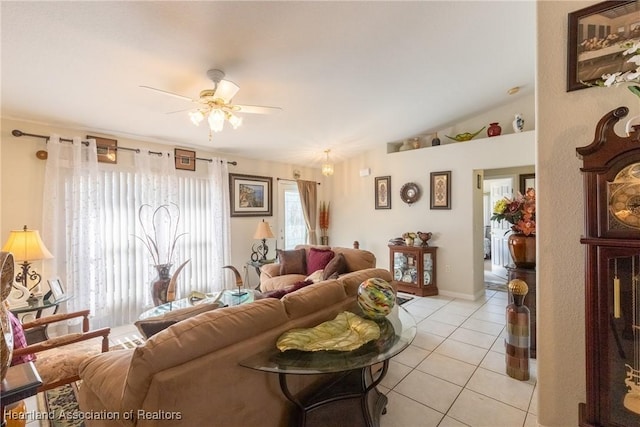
[(348, 75)]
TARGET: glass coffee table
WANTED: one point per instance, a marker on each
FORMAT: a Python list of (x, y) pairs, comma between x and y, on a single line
[(229, 298), (352, 397)]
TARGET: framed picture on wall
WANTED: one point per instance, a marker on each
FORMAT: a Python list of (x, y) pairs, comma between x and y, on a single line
[(383, 192), (251, 195), (185, 159), (596, 42), (527, 180), (441, 190), (107, 149)]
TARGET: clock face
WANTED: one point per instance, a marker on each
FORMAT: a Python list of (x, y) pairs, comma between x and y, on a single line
[(624, 199)]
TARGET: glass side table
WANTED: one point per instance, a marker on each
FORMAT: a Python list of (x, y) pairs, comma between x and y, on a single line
[(229, 298), (352, 398), (39, 333)]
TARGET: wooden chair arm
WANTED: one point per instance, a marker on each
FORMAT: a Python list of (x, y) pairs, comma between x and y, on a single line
[(65, 340), (58, 318)]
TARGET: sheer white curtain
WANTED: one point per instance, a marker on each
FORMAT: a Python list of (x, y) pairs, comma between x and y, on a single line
[(116, 287), (72, 207)]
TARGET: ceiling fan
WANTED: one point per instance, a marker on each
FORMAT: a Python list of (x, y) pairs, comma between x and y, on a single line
[(215, 104)]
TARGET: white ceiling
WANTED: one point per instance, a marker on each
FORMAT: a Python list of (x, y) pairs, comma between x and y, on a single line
[(348, 75)]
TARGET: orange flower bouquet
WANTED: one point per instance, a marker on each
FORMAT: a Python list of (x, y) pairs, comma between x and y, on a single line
[(520, 212)]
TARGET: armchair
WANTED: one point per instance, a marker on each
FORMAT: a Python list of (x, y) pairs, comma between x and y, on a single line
[(58, 359)]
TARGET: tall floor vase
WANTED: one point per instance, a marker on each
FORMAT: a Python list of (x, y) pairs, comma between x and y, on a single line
[(523, 250)]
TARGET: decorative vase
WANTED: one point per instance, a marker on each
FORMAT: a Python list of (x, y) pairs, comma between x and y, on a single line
[(518, 123), (517, 343), (6, 339), (376, 298), (435, 141), (408, 241), (324, 240), (494, 129), (523, 250), (160, 284)]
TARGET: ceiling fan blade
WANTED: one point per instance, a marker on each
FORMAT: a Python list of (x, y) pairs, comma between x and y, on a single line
[(226, 90), (256, 109), (175, 95), (180, 111)]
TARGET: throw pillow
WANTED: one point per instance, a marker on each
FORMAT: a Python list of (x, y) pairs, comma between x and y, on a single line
[(152, 327), (19, 341), (293, 262), (338, 265), (316, 276), (279, 293), (317, 259)]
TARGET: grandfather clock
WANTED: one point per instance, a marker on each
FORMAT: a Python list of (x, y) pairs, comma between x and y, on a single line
[(611, 169)]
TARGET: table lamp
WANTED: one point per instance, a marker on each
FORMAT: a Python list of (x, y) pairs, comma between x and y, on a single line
[(26, 246), (263, 232)]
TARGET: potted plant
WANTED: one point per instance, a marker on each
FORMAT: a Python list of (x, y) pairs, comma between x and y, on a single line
[(520, 212)]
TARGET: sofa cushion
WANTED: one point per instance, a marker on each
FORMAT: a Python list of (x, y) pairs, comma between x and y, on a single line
[(317, 259), (336, 266), (293, 261)]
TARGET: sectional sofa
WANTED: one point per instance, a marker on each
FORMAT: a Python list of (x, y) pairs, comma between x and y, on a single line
[(189, 374)]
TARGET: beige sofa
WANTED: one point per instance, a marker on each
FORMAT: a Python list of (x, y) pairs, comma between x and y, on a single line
[(355, 260), (189, 375)]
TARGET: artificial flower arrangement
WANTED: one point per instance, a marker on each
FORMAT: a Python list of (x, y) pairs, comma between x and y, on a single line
[(631, 76), (520, 212)]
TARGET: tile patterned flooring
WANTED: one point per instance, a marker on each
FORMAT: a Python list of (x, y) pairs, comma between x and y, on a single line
[(453, 374)]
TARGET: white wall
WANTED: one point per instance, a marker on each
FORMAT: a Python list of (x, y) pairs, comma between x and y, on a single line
[(22, 180), (457, 232), (565, 121)]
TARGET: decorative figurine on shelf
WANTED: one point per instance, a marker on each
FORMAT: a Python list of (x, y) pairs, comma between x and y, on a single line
[(518, 123), (517, 342), (424, 237), (461, 137), (409, 238)]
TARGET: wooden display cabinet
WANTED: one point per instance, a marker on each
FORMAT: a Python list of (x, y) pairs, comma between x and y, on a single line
[(414, 269)]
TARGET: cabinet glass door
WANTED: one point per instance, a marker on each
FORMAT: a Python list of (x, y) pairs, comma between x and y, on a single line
[(621, 375), (428, 269), (405, 268)]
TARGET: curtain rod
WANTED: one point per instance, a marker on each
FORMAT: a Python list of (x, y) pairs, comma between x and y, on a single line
[(19, 133), (293, 180)]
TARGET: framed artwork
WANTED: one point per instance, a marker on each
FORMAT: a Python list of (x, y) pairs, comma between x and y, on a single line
[(185, 159), (527, 180), (596, 37), (250, 195), (107, 149), (383, 192), (441, 190), (57, 290)]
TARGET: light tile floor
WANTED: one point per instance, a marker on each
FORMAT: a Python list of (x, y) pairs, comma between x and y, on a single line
[(452, 375)]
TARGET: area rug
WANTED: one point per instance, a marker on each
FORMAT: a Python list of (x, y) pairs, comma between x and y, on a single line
[(61, 403), (402, 300)]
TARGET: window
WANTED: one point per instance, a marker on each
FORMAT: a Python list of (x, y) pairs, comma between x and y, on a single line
[(293, 230)]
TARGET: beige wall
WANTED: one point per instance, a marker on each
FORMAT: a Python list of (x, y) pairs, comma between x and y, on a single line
[(458, 232), (565, 121), (22, 180)]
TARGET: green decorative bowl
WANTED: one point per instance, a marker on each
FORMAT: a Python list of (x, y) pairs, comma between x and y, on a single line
[(461, 137)]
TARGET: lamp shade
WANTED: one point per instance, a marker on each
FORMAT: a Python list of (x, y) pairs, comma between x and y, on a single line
[(26, 245), (263, 231)]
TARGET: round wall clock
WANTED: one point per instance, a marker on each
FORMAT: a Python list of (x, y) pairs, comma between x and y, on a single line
[(410, 192)]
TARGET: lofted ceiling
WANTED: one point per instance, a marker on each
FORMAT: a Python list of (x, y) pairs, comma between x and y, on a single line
[(349, 76)]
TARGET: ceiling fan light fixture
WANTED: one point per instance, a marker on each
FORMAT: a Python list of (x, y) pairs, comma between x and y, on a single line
[(196, 117), (216, 120), (234, 120), (327, 167)]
